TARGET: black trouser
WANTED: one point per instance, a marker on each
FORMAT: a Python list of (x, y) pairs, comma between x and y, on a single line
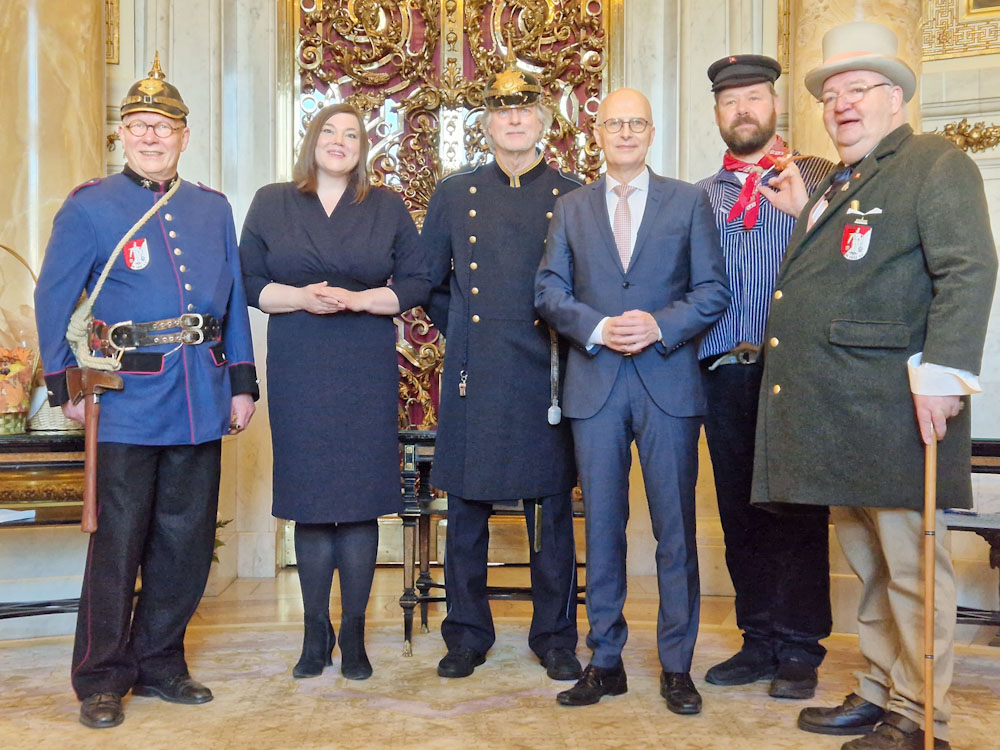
[(469, 621), (156, 511), (779, 562)]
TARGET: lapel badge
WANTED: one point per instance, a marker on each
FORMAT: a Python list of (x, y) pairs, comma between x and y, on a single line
[(855, 242), (855, 210)]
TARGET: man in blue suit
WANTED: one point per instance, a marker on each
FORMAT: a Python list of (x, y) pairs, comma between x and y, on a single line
[(631, 275)]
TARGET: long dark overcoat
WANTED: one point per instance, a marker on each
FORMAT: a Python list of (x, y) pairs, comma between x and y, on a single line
[(495, 443), (836, 423)]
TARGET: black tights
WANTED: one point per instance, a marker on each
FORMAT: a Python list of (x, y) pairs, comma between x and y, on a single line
[(321, 548)]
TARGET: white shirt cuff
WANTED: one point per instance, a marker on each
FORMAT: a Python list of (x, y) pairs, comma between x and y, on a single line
[(928, 379), (597, 335)]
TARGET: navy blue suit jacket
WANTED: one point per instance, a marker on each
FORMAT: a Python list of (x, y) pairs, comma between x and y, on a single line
[(677, 273)]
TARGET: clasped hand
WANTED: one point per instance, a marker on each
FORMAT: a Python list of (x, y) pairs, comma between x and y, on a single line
[(630, 332), (323, 299)]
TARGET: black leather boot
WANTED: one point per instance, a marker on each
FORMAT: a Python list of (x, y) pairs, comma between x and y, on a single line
[(354, 664), (317, 648)]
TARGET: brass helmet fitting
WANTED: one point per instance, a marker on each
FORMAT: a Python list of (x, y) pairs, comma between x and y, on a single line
[(511, 87), (154, 94)]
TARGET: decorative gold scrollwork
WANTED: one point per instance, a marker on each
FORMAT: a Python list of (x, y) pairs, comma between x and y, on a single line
[(978, 137)]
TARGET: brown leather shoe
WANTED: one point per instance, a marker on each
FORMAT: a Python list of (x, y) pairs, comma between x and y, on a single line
[(854, 716), (895, 732), (680, 693), (178, 689), (595, 683), (102, 711)]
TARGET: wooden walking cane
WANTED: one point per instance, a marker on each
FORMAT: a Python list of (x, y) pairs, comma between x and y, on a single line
[(930, 534)]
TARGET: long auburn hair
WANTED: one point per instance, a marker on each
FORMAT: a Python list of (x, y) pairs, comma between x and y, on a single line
[(304, 171)]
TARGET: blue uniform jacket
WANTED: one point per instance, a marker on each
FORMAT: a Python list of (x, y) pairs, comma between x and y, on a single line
[(184, 259)]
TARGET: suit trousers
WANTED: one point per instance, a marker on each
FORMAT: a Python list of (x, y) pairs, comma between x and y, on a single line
[(156, 511), (779, 562), (884, 547), (469, 622), (668, 454)]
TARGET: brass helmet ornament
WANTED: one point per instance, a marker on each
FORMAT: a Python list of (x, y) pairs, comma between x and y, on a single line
[(511, 87), (154, 94)]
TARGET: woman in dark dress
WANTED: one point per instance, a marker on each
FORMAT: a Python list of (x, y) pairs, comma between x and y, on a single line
[(317, 255)]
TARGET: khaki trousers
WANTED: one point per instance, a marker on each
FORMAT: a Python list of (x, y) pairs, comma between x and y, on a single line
[(884, 547)]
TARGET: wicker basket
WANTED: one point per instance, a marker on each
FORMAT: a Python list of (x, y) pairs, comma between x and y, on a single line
[(52, 418)]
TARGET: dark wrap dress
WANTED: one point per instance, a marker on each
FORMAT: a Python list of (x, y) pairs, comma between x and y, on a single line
[(332, 380)]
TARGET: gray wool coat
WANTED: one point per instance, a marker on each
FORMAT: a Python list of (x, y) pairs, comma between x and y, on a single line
[(836, 422)]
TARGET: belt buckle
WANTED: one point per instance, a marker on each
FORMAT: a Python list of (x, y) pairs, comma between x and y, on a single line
[(110, 333), (191, 328)]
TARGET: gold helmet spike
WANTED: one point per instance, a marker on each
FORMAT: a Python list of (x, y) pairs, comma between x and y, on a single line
[(154, 94), (511, 87)]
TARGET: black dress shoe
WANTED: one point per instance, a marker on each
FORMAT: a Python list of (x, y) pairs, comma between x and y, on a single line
[(318, 640), (854, 716), (895, 732), (744, 667), (561, 664), (460, 662), (680, 693), (178, 689), (594, 684), (102, 711), (794, 679)]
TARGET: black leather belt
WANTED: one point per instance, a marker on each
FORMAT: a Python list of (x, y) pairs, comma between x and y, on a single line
[(194, 328)]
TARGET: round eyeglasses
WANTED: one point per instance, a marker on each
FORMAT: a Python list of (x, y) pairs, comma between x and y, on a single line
[(162, 129), (614, 125)]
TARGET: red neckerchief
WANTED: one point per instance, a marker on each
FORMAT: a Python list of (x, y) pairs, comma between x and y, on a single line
[(748, 202)]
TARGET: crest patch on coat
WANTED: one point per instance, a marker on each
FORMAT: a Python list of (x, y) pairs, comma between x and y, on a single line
[(854, 245), (136, 253)]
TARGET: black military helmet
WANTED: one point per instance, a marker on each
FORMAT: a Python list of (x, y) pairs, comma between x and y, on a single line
[(154, 94), (511, 87)]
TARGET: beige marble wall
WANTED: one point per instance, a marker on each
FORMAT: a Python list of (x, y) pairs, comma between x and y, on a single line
[(52, 97), (810, 21)]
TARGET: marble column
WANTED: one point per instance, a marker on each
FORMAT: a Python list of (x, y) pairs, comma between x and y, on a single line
[(52, 97), (809, 22)]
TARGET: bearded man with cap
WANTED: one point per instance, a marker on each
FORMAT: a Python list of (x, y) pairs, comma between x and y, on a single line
[(778, 562), (499, 436), (172, 311), (876, 332)]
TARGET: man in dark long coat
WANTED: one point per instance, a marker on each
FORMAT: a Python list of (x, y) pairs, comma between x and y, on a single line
[(496, 442), (876, 332)]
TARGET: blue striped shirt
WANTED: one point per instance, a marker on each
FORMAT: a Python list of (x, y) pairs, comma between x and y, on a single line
[(752, 256)]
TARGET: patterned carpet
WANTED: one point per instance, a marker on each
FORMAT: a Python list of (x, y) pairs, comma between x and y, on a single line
[(508, 704)]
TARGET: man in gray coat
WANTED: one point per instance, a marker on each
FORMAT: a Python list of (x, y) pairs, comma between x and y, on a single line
[(876, 332)]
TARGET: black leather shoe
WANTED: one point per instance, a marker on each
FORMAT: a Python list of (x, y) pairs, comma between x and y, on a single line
[(460, 662), (102, 711), (794, 679), (744, 667), (594, 684), (895, 732), (680, 693), (178, 689), (854, 716), (561, 664), (318, 640)]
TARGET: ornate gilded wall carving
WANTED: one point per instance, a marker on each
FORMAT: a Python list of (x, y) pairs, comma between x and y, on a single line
[(416, 68), (975, 138), (960, 28)]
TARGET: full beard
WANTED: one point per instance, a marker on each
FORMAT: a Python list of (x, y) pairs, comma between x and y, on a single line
[(752, 141)]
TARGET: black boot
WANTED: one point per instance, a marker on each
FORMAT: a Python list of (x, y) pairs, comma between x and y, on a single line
[(354, 664), (317, 648)]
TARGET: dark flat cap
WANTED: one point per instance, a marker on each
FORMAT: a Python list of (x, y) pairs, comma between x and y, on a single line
[(743, 70)]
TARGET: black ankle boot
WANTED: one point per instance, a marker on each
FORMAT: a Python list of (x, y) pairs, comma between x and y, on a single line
[(317, 648), (354, 664)]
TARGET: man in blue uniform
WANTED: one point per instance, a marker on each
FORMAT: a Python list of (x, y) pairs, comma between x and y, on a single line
[(779, 562), (484, 234), (172, 309)]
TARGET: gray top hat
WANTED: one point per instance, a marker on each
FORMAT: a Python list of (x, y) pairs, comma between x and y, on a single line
[(862, 45)]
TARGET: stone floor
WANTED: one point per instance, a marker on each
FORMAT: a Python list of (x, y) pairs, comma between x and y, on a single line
[(244, 641)]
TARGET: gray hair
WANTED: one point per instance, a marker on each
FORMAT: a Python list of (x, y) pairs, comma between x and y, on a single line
[(545, 117)]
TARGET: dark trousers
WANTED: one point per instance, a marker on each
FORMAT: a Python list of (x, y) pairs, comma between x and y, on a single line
[(469, 621), (156, 511), (779, 562), (668, 453)]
